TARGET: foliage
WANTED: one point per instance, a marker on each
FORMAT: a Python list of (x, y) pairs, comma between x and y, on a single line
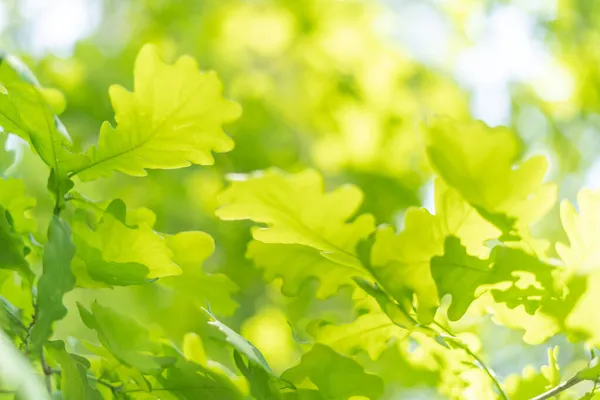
[(175, 244)]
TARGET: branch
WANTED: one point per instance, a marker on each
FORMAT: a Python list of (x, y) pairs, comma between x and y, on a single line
[(558, 389)]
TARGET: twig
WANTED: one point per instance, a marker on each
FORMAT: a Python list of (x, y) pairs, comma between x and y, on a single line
[(558, 389), (47, 372), (478, 360)]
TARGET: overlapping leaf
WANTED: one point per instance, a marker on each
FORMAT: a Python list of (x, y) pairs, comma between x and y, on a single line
[(462, 275), (114, 252), (478, 161), (13, 247), (302, 223), (26, 112), (334, 375), (74, 381), (583, 231), (264, 383), (14, 199), (127, 340), (172, 119), (190, 250), (401, 263)]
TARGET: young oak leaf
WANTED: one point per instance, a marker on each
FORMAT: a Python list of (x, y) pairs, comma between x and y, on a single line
[(74, 381), (462, 275), (401, 263), (335, 376), (478, 161), (190, 250), (304, 225), (26, 111), (56, 280), (172, 119), (127, 340), (583, 231), (13, 247), (187, 379), (370, 332), (14, 199), (112, 252), (264, 383)]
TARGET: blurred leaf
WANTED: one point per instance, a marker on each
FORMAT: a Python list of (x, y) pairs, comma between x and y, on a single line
[(336, 376), (25, 112), (125, 338), (16, 371), (401, 263), (74, 382), (116, 253)]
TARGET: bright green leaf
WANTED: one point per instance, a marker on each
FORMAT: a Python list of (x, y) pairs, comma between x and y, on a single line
[(172, 119), (401, 263), (478, 161), (297, 212)]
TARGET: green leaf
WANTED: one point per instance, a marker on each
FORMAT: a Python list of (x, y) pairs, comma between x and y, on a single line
[(56, 280), (187, 380), (336, 376), (16, 371), (461, 275), (264, 383), (24, 111), (190, 249), (401, 263), (13, 248), (370, 332), (583, 231), (239, 343), (74, 382), (114, 252), (172, 119), (14, 199), (127, 340), (478, 161), (301, 219)]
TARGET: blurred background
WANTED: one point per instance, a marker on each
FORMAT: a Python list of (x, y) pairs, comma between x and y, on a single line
[(338, 85)]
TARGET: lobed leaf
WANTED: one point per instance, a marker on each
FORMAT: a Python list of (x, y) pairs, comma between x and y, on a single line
[(335, 376), (478, 162), (56, 280), (74, 381), (303, 223), (172, 119)]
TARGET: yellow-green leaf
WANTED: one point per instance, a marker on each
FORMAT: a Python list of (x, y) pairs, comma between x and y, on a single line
[(401, 263), (172, 119), (302, 222), (479, 162)]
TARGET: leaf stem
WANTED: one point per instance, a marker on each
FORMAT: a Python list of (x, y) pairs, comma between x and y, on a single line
[(478, 360), (558, 389)]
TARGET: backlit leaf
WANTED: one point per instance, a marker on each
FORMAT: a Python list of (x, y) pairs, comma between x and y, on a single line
[(172, 119)]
